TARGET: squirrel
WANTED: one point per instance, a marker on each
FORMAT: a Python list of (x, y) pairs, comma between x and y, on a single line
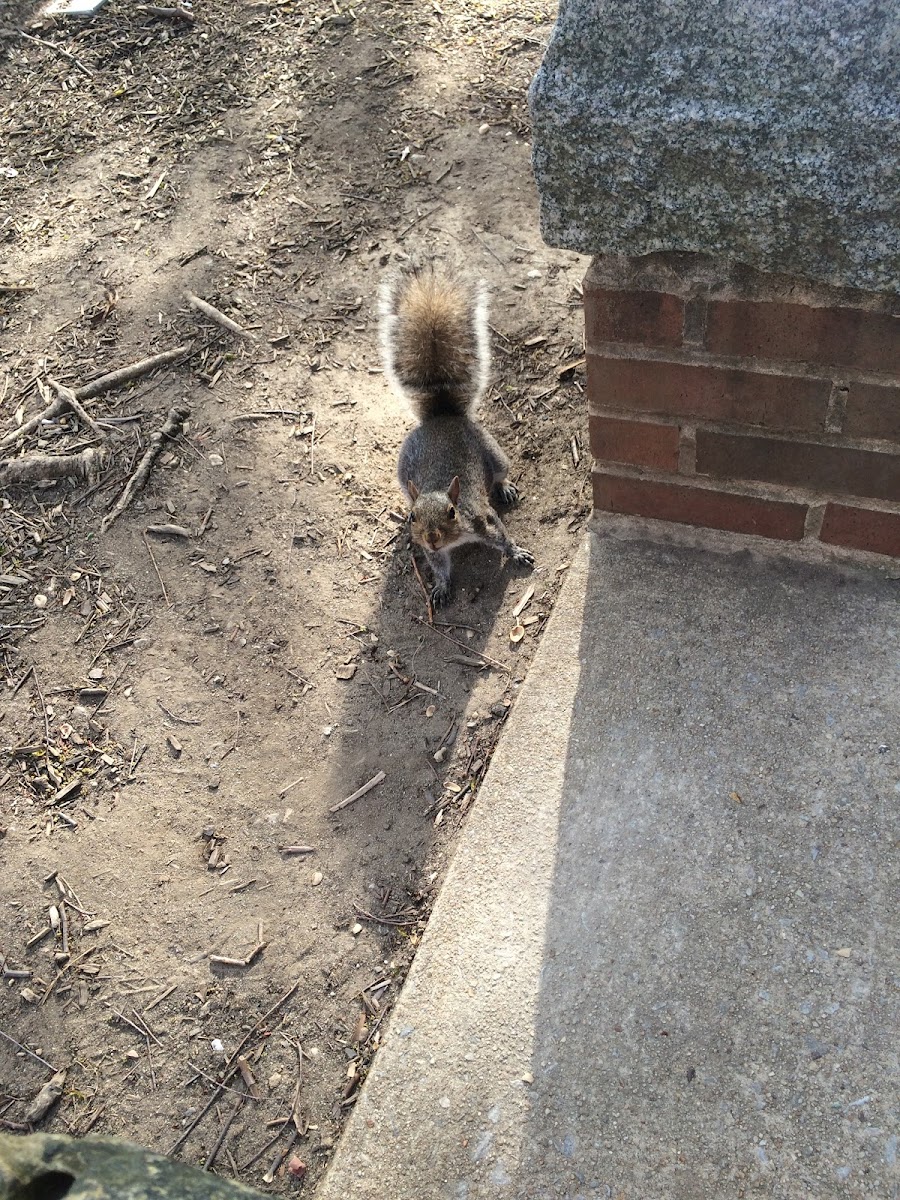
[(436, 348)]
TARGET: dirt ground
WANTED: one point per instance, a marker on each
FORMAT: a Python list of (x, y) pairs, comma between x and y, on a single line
[(178, 712)]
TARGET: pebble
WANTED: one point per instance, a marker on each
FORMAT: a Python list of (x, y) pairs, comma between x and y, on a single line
[(357, 929), (216, 460), (274, 1080), (317, 878), (485, 128), (40, 600), (218, 1047), (213, 783)]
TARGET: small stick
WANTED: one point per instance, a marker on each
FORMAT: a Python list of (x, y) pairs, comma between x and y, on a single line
[(262, 413), (56, 409), (222, 961), (385, 920), (214, 314), (274, 1009), (30, 1053), (296, 849), (177, 14), (248, 1077), (269, 1176), (196, 1121), (114, 379), (71, 963), (77, 407), (366, 787), (59, 50), (220, 1140), (169, 531), (268, 1146), (159, 999), (209, 1079), (463, 646), (22, 681), (156, 569), (284, 791), (13, 289), (425, 591), (122, 1017), (172, 427)]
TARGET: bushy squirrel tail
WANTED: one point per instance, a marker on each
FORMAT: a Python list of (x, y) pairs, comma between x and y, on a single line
[(434, 338)]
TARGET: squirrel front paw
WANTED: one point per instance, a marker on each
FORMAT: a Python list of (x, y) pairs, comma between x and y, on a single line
[(521, 555), (507, 493)]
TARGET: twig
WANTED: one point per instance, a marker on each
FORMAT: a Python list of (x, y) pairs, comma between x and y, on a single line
[(43, 709), (425, 591), (22, 681), (66, 393), (463, 646), (279, 1158), (199, 1117), (71, 963), (262, 413), (274, 1009), (58, 50), (156, 569), (174, 717), (366, 787), (209, 310), (114, 379), (220, 1140), (284, 791), (159, 999), (30, 1053), (178, 14), (172, 427), (268, 1146), (385, 920), (487, 247)]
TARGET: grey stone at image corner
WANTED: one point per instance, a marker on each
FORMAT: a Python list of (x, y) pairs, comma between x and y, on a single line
[(760, 131), (103, 1169)]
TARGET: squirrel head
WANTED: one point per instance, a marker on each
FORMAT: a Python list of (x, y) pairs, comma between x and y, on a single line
[(434, 520)]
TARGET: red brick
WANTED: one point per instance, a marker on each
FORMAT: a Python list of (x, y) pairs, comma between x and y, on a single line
[(817, 468), (639, 442), (873, 411), (649, 318), (780, 402), (847, 337), (698, 506), (862, 529)]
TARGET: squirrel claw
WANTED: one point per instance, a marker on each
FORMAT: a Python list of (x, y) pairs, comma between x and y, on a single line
[(522, 556), (440, 595), (507, 492)]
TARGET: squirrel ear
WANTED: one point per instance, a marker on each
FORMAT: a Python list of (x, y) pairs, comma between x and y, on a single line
[(413, 490), (453, 490)]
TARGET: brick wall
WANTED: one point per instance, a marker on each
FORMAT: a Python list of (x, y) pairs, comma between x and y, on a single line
[(744, 402)]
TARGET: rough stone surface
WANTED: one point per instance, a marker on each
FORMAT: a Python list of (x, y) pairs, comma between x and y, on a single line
[(663, 965), (44, 1166), (763, 132)]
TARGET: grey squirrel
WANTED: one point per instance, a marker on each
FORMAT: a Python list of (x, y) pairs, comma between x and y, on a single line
[(434, 337)]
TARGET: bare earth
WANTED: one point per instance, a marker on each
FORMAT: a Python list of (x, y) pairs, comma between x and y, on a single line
[(272, 158)]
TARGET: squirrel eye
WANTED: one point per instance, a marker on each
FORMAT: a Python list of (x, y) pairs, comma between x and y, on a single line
[(451, 512)]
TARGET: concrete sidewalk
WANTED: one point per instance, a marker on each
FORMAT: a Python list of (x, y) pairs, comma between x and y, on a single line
[(665, 963)]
